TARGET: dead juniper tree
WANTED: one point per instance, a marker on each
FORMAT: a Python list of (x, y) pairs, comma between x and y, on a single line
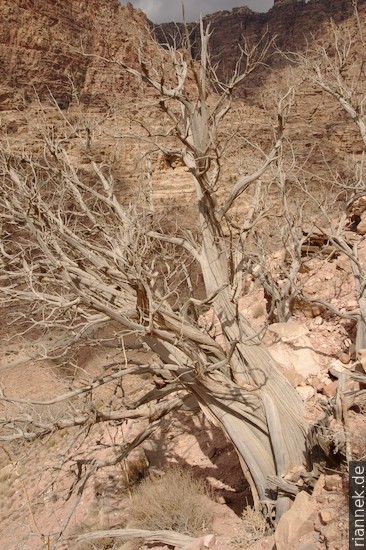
[(338, 69), (277, 257), (83, 257)]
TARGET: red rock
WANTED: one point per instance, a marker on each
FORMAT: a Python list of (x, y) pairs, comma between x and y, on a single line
[(332, 482), (296, 525), (330, 390), (319, 486), (326, 516), (40, 43), (344, 358)]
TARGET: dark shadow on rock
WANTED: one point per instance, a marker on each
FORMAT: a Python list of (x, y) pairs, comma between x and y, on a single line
[(224, 473)]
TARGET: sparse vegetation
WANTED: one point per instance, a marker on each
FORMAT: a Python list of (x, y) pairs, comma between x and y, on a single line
[(133, 471), (99, 259), (104, 543), (177, 501), (254, 527)]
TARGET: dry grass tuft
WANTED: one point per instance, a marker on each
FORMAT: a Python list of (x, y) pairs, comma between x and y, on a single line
[(134, 471), (177, 502), (254, 528), (99, 544)]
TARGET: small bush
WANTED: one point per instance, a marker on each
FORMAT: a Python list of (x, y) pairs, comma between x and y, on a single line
[(176, 501), (254, 527), (105, 543), (134, 471)]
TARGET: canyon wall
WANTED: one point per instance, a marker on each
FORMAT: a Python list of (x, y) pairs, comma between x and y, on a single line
[(293, 23), (60, 48), (53, 47), (56, 46)]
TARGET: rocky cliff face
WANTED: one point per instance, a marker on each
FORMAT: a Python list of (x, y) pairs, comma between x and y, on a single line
[(291, 22), (316, 124), (278, 2), (41, 43)]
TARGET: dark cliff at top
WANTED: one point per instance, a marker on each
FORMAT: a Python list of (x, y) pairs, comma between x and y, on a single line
[(41, 44), (291, 22)]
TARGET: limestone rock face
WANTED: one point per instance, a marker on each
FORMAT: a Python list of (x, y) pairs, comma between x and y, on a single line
[(295, 24), (282, 2), (42, 44)]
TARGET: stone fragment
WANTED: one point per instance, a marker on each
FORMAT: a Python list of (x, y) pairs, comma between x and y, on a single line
[(319, 486), (292, 376), (326, 516), (295, 350), (209, 541), (330, 390), (295, 529), (203, 542), (288, 331), (344, 358), (305, 392), (332, 482), (316, 383), (361, 228)]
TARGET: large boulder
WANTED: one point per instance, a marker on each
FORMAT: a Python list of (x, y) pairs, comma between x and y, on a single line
[(293, 351), (295, 530)]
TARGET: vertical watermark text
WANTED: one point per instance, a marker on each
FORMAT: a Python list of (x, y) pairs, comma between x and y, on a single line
[(357, 505)]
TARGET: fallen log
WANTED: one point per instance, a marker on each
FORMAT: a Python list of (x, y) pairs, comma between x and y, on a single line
[(171, 538)]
